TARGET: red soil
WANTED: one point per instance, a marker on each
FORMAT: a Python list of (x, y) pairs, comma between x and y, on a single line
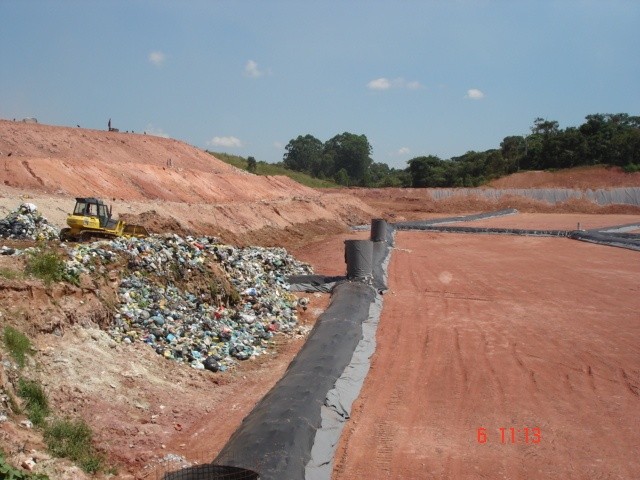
[(501, 332), (581, 178)]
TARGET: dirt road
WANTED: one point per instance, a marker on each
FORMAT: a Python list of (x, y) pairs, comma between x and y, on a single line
[(501, 332)]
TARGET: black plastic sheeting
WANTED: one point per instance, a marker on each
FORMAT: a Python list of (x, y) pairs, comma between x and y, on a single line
[(293, 431), (276, 438), (420, 224), (358, 255), (497, 231), (621, 240), (313, 283), (381, 253), (627, 227), (611, 236), (324, 284)]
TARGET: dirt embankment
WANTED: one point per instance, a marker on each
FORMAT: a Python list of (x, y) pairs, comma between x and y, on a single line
[(161, 182), (579, 177), (398, 204)]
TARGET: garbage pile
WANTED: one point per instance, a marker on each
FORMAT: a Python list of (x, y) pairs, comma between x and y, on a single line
[(196, 324), (27, 223)]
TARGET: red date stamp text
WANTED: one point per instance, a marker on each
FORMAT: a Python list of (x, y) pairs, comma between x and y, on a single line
[(527, 435)]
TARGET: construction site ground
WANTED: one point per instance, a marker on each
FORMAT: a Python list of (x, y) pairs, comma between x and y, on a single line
[(477, 331), (500, 332)]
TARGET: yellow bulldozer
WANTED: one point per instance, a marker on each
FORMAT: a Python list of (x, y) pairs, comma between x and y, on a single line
[(91, 218)]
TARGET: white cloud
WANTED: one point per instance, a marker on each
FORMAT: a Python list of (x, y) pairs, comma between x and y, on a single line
[(251, 70), (379, 84), (155, 131), (384, 83), (278, 145), (474, 94), (157, 58), (229, 142), (404, 151)]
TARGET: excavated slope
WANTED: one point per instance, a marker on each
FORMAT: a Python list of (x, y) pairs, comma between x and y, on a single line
[(140, 173), (125, 165)]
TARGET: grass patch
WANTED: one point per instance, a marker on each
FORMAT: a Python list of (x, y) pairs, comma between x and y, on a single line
[(9, 274), (72, 439), (264, 168), (36, 403), (49, 267), (17, 343)]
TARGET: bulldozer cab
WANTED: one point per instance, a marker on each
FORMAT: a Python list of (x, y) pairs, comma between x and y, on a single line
[(92, 207)]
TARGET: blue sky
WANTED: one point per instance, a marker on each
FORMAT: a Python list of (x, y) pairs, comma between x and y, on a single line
[(245, 77)]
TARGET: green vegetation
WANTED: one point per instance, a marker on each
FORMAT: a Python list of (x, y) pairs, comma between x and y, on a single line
[(604, 139), (7, 472), (49, 267), (264, 168), (17, 343), (345, 158), (9, 274), (72, 439), (631, 167), (64, 438), (252, 165), (36, 402)]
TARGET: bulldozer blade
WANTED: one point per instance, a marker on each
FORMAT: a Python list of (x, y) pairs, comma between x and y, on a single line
[(135, 230)]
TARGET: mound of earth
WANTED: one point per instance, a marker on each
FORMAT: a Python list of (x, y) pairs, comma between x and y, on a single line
[(161, 183), (397, 204), (579, 177)]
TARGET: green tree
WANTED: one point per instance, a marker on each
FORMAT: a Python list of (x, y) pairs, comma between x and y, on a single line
[(305, 154), (470, 168), (377, 173), (252, 165), (496, 165), (342, 177), (350, 152), (569, 149), (545, 127), (426, 171), (626, 147), (513, 149), (606, 135)]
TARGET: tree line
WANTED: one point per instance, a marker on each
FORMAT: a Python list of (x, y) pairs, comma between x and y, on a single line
[(603, 139)]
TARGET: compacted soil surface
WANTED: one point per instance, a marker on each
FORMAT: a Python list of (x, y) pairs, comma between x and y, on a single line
[(501, 357)]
